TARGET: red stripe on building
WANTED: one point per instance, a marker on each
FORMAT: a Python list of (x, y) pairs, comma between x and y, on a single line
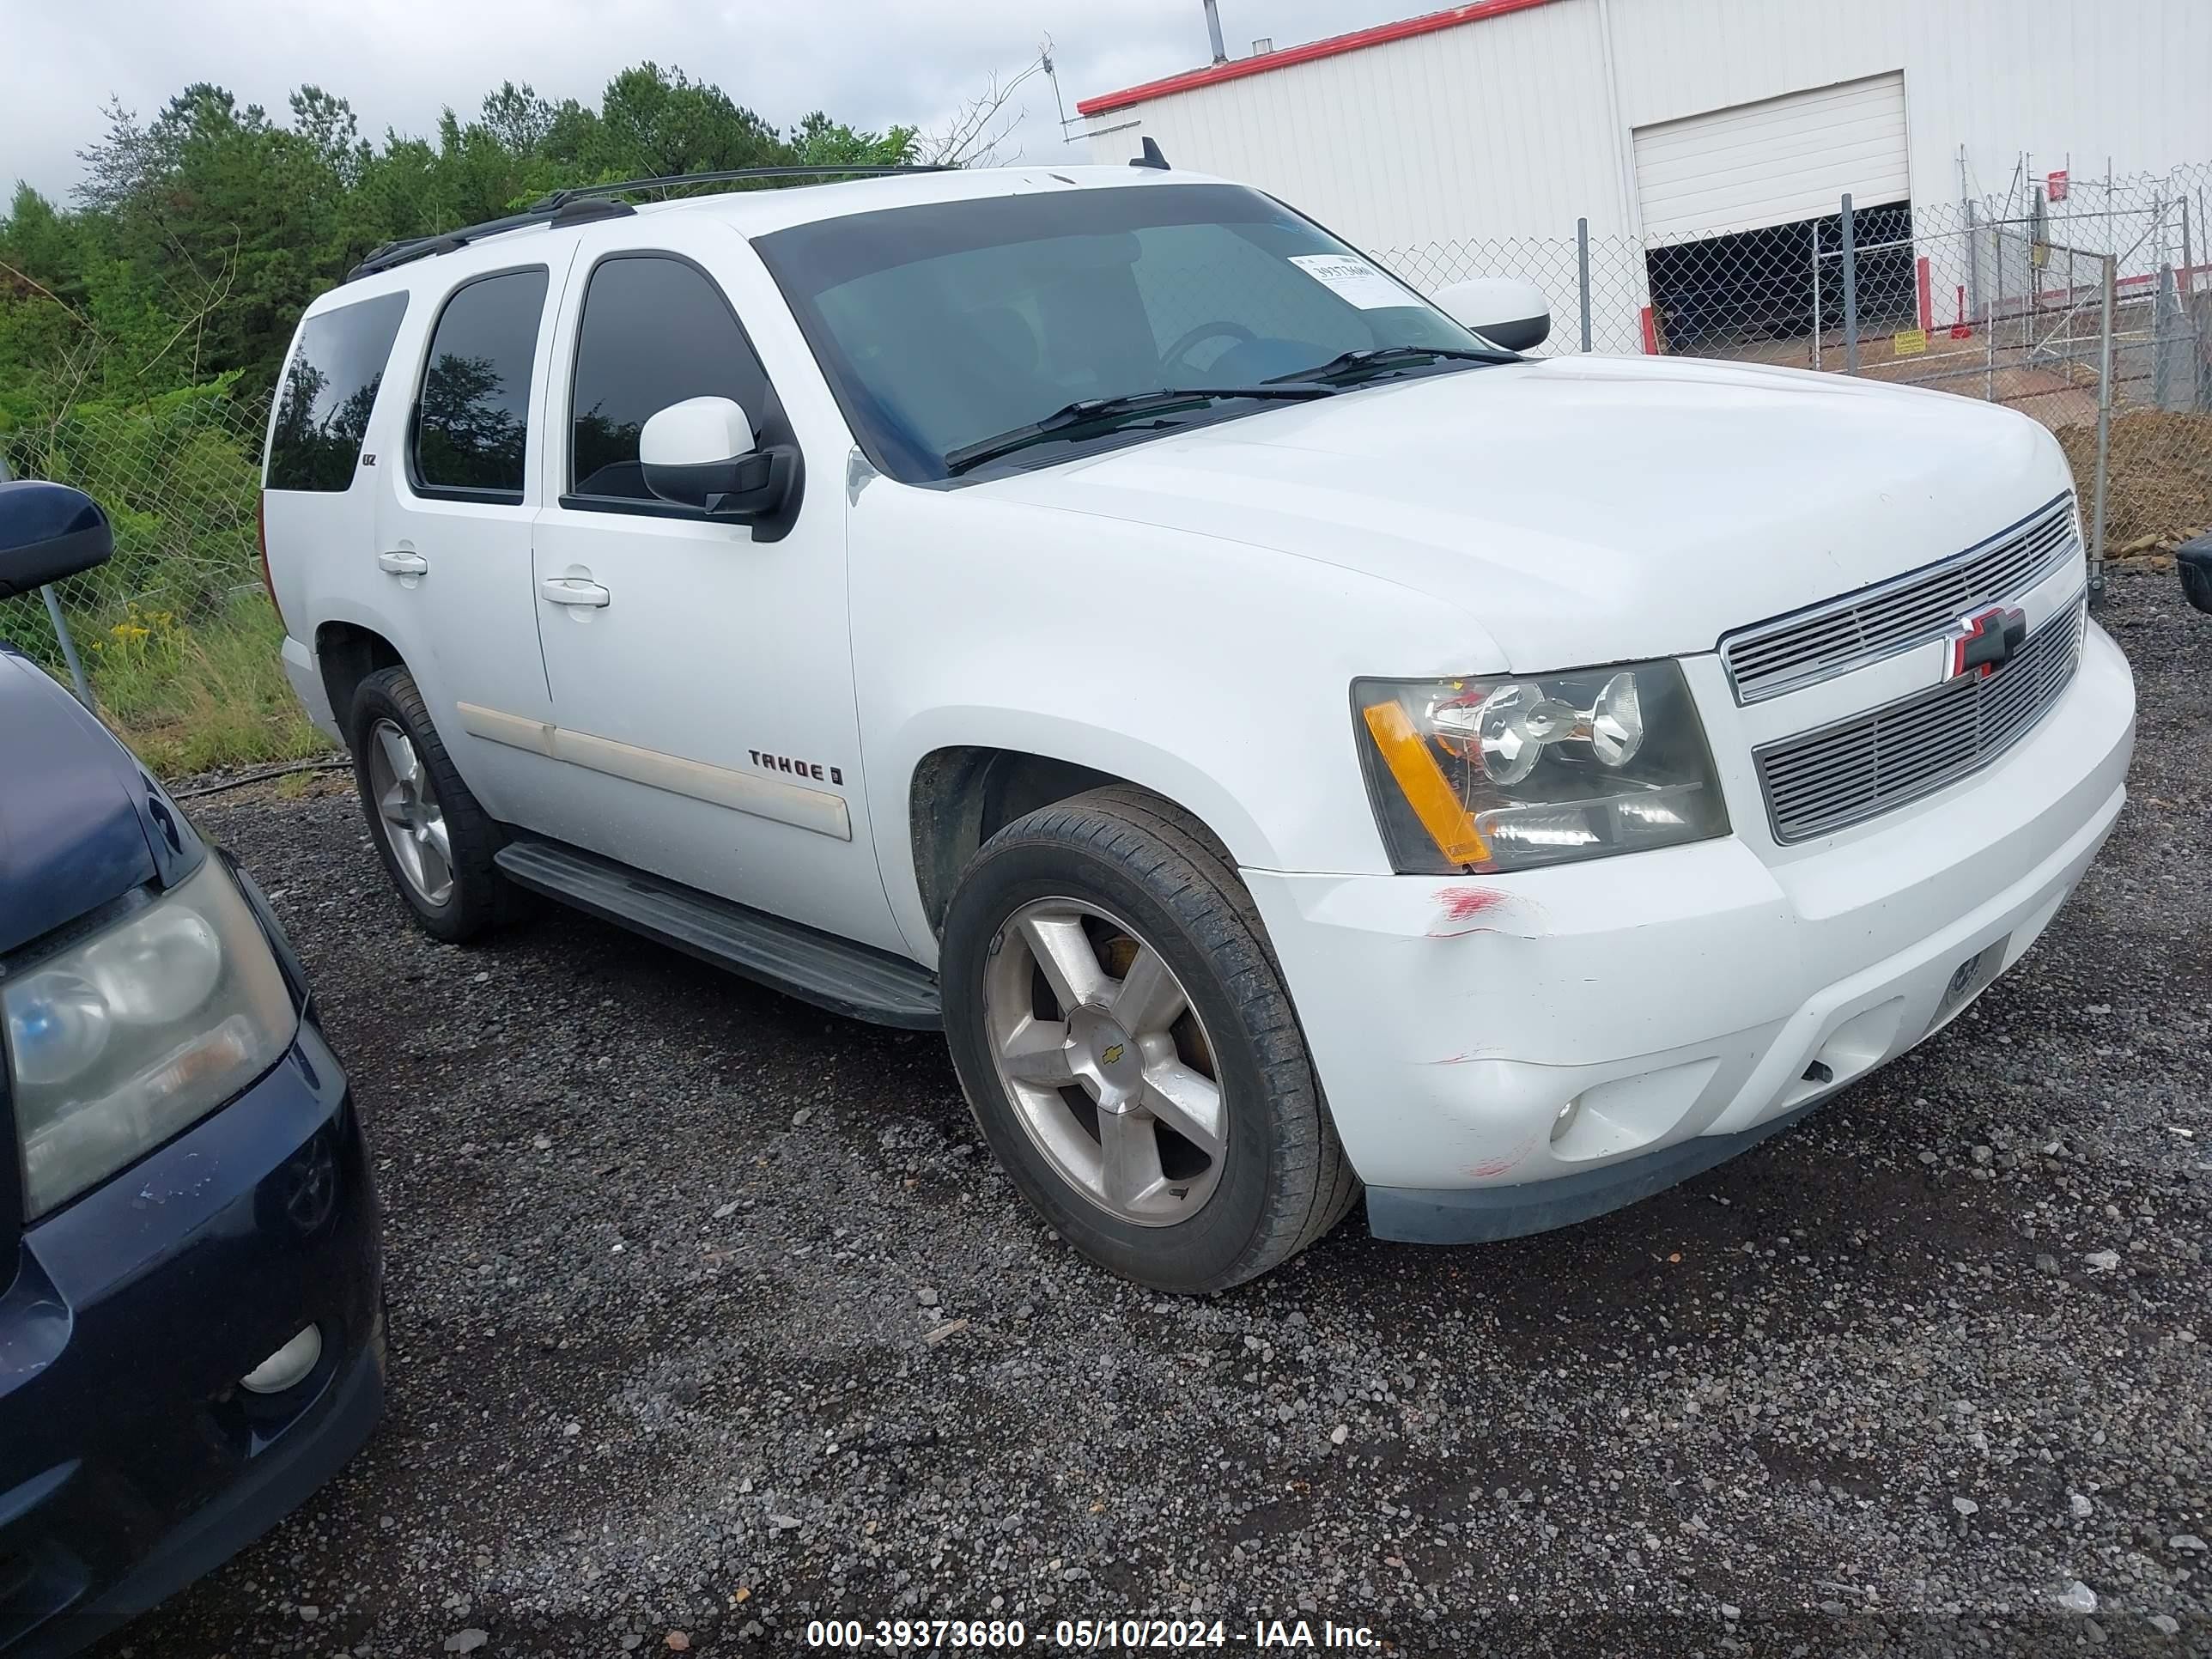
[(1237, 68)]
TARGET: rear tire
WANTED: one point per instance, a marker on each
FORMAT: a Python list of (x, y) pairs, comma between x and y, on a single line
[(436, 843), (1124, 1038)]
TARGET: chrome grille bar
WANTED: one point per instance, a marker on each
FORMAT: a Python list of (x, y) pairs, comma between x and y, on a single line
[(1785, 652), (1819, 781)]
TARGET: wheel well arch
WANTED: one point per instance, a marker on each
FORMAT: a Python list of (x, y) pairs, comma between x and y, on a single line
[(962, 795), (348, 654)]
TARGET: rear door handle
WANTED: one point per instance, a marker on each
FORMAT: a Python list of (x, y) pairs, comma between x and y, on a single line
[(402, 564), (573, 590)]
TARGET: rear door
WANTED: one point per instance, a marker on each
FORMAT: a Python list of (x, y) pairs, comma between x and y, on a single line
[(453, 548), (701, 672)]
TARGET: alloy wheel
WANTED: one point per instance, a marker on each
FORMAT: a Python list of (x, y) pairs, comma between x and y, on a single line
[(413, 823), (1110, 1071)]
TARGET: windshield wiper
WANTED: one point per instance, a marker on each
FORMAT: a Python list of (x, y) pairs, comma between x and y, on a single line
[(1106, 414), (1374, 360)]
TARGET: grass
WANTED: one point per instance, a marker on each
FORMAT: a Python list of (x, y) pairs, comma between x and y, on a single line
[(198, 695)]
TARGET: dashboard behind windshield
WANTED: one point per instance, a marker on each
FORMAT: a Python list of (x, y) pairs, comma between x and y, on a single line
[(948, 323)]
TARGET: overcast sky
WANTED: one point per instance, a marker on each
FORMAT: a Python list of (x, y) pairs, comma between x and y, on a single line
[(869, 61)]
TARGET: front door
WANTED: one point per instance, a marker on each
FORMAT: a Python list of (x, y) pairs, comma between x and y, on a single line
[(700, 672)]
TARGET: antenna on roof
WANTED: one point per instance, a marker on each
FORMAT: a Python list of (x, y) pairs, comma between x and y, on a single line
[(1213, 33), (1151, 157)]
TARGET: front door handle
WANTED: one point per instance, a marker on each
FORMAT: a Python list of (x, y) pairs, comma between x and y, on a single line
[(573, 590), (402, 564)]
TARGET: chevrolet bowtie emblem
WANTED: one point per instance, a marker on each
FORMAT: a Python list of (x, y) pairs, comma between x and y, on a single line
[(1984, 643), (1112, 1055)]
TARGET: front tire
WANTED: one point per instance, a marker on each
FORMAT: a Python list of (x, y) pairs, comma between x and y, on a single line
[(435, 842), (1123, 1037)]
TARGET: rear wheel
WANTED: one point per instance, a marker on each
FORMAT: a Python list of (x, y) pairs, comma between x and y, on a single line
[(435, 842), (1124, 1038)]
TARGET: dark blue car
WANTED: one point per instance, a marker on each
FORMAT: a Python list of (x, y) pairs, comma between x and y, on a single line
[(191, 1299)]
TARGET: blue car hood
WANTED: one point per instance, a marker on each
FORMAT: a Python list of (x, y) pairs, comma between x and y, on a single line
[(80, 822)]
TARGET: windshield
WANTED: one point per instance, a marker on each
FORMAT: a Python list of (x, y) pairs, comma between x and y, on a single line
[(943, 326)]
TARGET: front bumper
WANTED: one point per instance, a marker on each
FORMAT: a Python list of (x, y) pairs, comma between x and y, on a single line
[(130, 1462), (1675, 1006)]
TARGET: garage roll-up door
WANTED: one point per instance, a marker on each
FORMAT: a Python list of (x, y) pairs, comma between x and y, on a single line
[(1774, 162)]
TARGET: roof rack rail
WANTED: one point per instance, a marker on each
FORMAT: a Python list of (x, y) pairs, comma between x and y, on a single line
[(579, 192), (580, 204)]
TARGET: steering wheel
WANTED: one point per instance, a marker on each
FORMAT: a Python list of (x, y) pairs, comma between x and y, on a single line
[(1174, 355)]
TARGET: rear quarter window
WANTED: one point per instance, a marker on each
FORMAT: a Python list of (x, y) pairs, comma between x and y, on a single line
[(329, 393)]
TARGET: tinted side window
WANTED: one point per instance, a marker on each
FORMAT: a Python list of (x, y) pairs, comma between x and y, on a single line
[(474, 413), (329, 391), (654, 331)]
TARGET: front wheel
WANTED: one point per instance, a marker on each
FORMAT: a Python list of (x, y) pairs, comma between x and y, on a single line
[(1124, 1038)]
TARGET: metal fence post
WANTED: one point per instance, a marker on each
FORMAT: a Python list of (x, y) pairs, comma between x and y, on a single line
[(1988, 351), (2165, 335), (68, 645), (1582, 260), (1850, 296), (1813, 226), (2104, 430), (61, 624), (2188, 279), (1974, 262), (1997, 298)]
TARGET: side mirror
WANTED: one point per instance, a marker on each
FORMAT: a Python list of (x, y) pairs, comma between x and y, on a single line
[(1505, 310), (702, 453), (47, 532)]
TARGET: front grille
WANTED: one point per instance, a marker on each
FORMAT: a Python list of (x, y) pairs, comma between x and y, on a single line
[(1770, 658), (1858, 768)]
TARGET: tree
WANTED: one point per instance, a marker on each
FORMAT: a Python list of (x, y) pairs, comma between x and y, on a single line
[(518, 118), (331, 131), (661, 122), (197, 237), (972, 135), (817, 141)]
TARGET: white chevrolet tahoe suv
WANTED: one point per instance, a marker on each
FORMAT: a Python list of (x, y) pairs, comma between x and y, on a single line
[(1289, 743)]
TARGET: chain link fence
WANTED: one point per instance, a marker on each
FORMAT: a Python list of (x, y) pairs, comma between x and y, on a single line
[(2086, 304), (181, 479)]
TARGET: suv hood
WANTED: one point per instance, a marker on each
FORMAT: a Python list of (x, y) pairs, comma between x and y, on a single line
[(1592, 509), (80, 823)]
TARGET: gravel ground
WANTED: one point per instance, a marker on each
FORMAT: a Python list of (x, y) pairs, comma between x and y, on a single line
[(711, 1317)]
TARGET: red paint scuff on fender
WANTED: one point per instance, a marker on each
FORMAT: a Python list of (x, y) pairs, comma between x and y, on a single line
[(1462, 902)]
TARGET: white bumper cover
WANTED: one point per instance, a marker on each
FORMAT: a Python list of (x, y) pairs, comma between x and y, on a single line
[(1682, 1002), (306, 677)]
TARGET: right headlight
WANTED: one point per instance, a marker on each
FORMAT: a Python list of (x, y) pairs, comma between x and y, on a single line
[(123, 1039), (1520, 770)]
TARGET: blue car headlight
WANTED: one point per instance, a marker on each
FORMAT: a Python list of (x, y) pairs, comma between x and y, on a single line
[(127, 1037)]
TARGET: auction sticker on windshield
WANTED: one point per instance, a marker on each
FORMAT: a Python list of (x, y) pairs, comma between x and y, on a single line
[(1352, 280)]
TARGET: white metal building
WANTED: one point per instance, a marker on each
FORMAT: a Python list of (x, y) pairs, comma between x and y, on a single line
[(1682, 118)]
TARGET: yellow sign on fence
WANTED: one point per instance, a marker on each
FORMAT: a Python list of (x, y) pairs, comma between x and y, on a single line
[(1908, 342)]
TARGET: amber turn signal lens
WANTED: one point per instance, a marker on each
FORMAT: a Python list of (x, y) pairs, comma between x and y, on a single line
[(1427, 791)]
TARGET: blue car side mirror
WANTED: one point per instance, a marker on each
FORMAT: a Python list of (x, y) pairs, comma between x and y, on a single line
[(47, 532)]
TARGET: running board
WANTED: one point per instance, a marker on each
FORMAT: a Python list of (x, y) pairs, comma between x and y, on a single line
[(832, 973)]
